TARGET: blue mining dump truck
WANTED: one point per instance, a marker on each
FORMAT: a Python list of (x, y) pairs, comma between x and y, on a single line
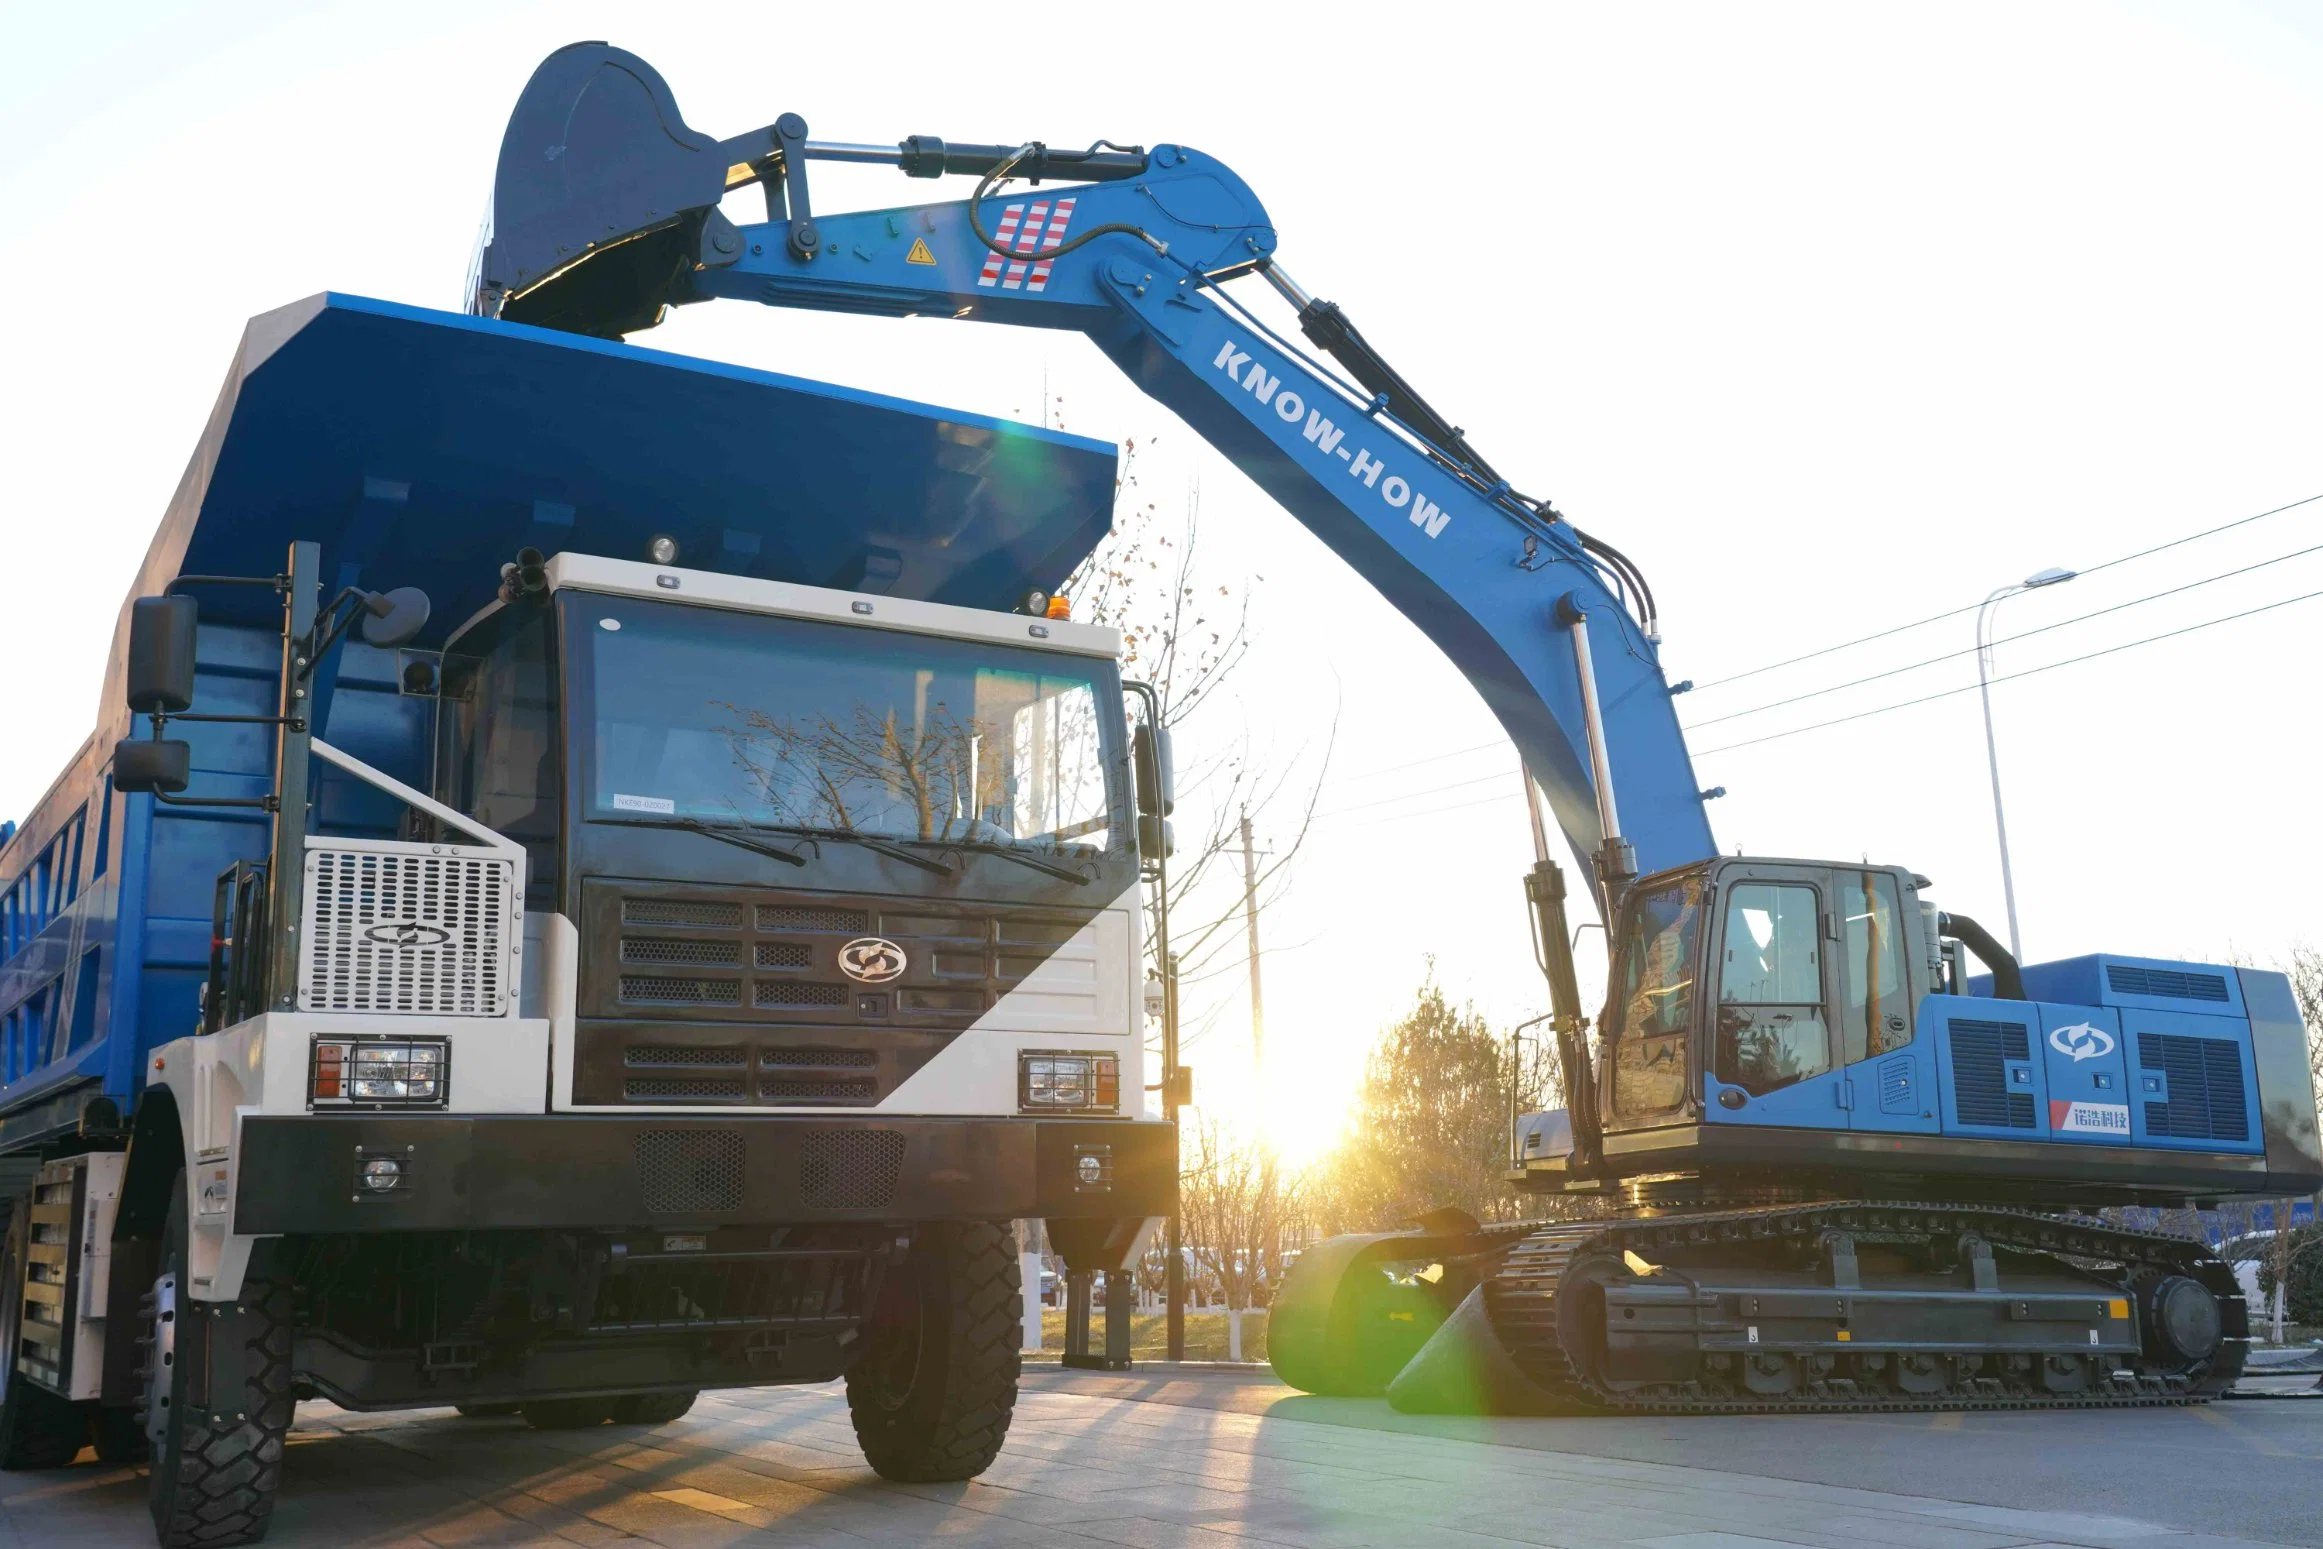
[(592, 880)]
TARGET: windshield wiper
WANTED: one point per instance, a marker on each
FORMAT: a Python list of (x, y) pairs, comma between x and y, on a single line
[(882, 846), (1009, 852), (725, 833)]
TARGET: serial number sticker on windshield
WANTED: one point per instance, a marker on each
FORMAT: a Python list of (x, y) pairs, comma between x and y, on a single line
[(660, 804)]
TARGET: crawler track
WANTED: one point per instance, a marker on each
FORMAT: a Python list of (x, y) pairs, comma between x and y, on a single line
[(1522, 1296)]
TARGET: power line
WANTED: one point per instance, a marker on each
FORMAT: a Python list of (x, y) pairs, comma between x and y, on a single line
[(1432, 790), (1950, 613), (1433, 758), (2079, 618), (1429, 812), (1969, 688)]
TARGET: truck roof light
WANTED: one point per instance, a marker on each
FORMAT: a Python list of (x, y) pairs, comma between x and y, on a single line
[(1060, 606)]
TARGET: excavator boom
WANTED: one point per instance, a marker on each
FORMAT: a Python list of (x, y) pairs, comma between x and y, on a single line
[(607, 211)]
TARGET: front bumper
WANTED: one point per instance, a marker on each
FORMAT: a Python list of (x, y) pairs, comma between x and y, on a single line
[(302, 1174)]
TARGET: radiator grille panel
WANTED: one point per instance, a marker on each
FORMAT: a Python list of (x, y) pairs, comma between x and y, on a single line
[(712, 913), (818, 1059), (783, 954), (403, 930), (680, 992), (778, 993), (838, 1089), (2205, 1076), (808, 917), (1980, 1088), (678, 1089), (690, 1170), (2166, 983), (850, 1170), (650, 1055), (649, 949)]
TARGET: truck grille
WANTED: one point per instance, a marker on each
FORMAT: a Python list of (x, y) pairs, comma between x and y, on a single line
[(740, 955)]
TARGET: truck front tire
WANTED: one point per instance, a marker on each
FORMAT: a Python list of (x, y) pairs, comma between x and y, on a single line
[(934, 1387), (215, 1470)]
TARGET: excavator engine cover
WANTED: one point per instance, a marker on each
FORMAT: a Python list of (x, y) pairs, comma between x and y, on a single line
[(603, 201)]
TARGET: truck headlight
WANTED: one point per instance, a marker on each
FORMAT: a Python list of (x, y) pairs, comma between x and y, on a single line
[(1068, 1083), (379, 1073)]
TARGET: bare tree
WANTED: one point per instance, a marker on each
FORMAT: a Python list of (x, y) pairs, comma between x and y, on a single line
[(1236, 1201), (1188, 635)]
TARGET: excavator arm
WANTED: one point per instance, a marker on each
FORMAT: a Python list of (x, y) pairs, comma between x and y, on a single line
[(606, 211)]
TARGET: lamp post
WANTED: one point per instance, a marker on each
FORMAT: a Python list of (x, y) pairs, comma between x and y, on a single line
[(2041, 578)]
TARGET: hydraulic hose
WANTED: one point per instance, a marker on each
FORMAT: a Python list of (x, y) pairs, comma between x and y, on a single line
[(2008, 982), (999, 175)]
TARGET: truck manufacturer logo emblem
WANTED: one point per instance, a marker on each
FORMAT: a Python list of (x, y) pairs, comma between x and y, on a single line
[(872, 959), (406, 935), (2082, 1041)]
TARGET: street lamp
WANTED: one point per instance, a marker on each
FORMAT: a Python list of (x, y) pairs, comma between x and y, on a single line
[(2040, 578)]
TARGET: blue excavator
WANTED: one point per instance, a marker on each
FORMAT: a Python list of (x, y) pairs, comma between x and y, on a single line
[(1810, 1157)]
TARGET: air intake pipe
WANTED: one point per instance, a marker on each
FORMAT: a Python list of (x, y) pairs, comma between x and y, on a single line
[(2007, 982)]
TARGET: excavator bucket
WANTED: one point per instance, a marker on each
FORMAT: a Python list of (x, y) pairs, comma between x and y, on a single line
[(603, 201)]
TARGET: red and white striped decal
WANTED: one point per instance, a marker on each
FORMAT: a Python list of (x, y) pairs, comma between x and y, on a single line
[(1059, 219), (1027, 238), (1040, 229), (1004, 237)]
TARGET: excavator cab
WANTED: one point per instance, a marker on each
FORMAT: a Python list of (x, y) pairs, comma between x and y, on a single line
[(1750, 991)]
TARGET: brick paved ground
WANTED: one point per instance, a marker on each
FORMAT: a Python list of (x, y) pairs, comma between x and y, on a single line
[(1082, 1468)]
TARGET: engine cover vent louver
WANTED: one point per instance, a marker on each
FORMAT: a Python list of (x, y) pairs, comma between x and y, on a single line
[(2205, 1087), (404, 929), (1980, 1086), (2166, 983)]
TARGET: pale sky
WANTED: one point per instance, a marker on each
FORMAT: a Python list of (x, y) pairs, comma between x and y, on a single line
[(1832, 317)]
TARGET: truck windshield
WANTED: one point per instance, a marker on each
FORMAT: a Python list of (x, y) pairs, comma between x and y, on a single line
[(722, 717)]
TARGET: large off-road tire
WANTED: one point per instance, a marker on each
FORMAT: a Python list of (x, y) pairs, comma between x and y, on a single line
[(215, 1469), (567, 1414), (651, 1408), (486, 1411), (37, 1428), (935, 1385), (119, 1435)]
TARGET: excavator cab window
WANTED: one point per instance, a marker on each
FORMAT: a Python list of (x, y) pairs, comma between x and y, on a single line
[(1875, 1005), (1653, 1006), (1771, 1029)]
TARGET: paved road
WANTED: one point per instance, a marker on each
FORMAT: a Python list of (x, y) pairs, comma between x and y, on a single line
[(1233, 1461)]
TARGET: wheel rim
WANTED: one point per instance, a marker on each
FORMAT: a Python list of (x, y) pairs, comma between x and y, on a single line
[(158, 1378)]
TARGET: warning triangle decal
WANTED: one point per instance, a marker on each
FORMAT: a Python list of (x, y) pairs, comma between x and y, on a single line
[(919, 253)]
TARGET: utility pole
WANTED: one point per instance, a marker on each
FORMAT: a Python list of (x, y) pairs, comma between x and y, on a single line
[(1250, 919)]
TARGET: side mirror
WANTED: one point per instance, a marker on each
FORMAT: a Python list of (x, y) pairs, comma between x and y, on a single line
[(144, 767), (1156, 839), (1156, 780), (394, 618), (160, 673)]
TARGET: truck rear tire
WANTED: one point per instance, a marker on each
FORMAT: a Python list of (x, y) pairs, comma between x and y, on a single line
[(567, 1414), (215, 1471), (486, 1411), (934, 1387), (651, 1408), (37, 1428)]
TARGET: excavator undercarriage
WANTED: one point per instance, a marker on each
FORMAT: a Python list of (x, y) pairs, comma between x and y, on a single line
[(1791, 1308)]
